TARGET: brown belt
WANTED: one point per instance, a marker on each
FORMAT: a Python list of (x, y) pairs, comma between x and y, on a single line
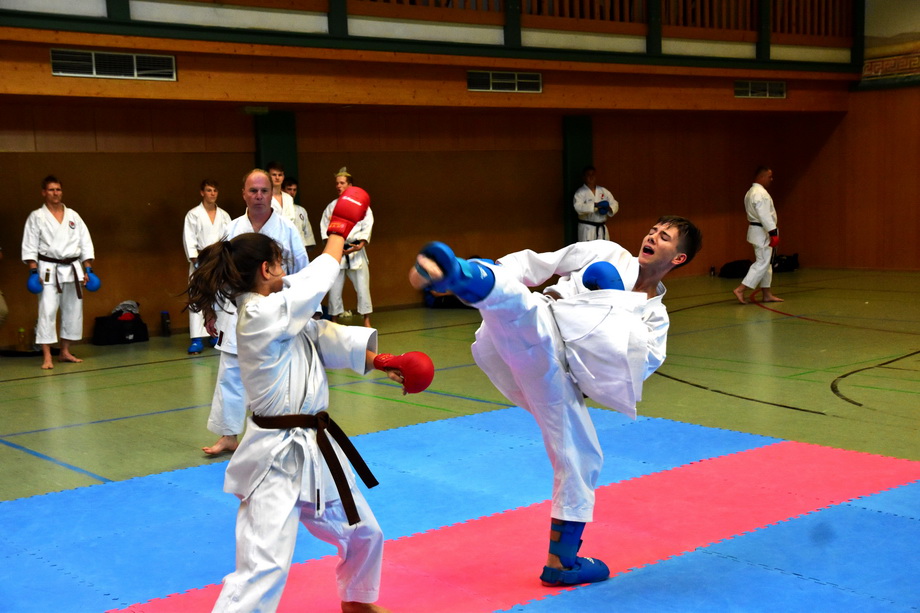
[(325, 427), (57, 284)]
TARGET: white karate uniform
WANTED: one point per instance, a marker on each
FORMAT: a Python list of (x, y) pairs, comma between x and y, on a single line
[(544, 355), (199, 232), (590, 222), (286, 208), (228, 406), (354, 265), (280, 475), (44, 236), (759, 208), (302, 223)]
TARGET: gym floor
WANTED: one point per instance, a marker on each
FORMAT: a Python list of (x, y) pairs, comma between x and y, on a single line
[(110, 504)]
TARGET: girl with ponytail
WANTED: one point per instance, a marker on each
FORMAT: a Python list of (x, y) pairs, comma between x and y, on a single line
[(294, 463)]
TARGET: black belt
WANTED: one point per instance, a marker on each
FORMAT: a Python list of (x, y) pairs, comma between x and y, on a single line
[(596, 224), (325, 427), (57, 284), (756, 223)]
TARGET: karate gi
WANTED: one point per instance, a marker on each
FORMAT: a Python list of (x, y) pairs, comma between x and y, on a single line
[(44, 236), (280, 475), (228, 406), (544, 355), (199, 232), (286, 208), (591, 224), (355, 265), (302, 223), (761, 215)]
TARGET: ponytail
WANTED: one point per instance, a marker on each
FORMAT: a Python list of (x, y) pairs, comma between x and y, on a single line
[(227, 269)]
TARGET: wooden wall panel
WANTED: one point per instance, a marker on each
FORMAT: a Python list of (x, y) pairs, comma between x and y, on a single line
[(61, 127)]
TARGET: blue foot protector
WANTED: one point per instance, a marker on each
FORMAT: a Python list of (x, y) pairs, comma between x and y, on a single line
[(196, 346), (578, 570), (585, 570), (602, 275), (212, 341), (470, 281)]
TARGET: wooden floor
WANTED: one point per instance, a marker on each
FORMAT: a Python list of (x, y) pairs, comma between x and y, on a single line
[(837, 363)]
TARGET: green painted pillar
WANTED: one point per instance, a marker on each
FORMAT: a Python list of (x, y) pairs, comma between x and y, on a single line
[(653, 37), (276, 140), (338, 18), (764, 29), (118, 10), (577, 152), (858, 51), (512, 29)]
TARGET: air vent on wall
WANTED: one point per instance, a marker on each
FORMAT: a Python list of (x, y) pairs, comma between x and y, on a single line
[(74, 63), (521, 82), (760, 89)]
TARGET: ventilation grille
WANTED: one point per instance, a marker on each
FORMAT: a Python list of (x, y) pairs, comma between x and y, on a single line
[(72, 63), (760, 89), (521, 82)]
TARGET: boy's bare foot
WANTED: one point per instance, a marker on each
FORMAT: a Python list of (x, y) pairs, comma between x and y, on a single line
[(362, 607), (225, 444), (771, 298), (47, 364), (739, 294), (69, 357)]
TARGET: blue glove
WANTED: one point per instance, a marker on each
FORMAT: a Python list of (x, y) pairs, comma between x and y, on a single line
[(93, 283), (602, 275), (35, 282), (603, 207)]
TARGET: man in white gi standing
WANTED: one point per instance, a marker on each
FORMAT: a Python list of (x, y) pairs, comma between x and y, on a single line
[(600, 331), (54, 243), (205, 224), (594, 205), (228, 407), (763, 235), (355, 263)]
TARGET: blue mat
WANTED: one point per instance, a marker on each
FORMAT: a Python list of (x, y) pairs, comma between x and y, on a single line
[(115, 544)]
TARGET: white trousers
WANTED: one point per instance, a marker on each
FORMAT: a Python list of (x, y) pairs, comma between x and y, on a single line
[(49, 301), (520, 349), (196, 328), (760, 274), (266, 530), (228, 405), (361, 279)]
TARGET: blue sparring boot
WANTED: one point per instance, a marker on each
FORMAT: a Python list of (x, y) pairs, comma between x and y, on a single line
[(212, 341), (196, 347), (469, 280), (577, 570), (602, 275)]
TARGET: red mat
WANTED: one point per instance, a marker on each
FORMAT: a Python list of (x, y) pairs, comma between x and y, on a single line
[(494, 562)]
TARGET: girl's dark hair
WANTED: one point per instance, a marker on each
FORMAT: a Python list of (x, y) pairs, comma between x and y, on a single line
[(228, 269)]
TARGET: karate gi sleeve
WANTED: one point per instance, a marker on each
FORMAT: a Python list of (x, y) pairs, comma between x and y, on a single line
[(190, 237), (344, 347), (536, 268), (657, 322), (87, 251), (583, 201), (30, 239), (763, 209)]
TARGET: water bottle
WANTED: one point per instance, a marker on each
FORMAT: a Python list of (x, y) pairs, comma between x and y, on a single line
[(712, 271), (21, 341), (165, 329)]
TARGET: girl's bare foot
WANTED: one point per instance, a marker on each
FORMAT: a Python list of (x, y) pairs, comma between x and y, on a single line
[(739, 294), (225, 444)]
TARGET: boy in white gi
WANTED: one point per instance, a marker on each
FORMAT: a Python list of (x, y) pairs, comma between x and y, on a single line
[(54, 243), (228, 407), (293, 463), (600, 331), (355, 263), (205, 224), (301, 219), (594, 205)]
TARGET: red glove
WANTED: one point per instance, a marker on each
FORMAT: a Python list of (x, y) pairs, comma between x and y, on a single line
[(416, 367), (350, 208), (774, 240)]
